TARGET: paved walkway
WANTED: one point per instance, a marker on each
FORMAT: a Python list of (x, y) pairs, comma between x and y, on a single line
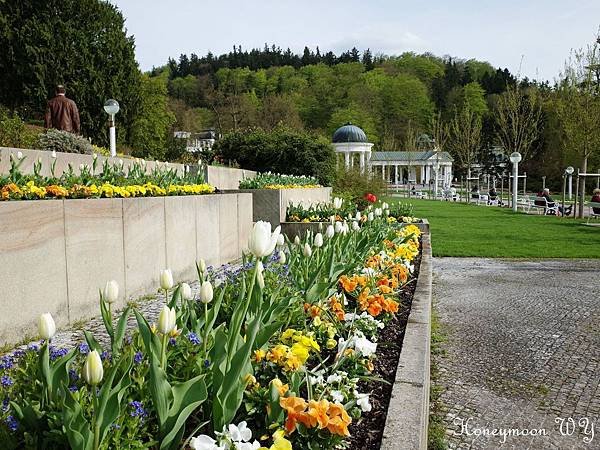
[(523, 352)]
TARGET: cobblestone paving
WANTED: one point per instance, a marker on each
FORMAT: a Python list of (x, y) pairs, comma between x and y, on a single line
[(522, 351)]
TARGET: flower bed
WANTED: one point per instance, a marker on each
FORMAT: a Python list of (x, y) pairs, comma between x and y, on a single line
[(279, 353), (270, 180), (109, 181)]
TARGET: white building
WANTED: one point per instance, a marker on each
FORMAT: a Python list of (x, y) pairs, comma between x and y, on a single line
[(197, 142), (398, 167)]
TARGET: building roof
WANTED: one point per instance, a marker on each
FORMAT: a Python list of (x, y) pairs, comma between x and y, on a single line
[(410, 156), (349, 133)]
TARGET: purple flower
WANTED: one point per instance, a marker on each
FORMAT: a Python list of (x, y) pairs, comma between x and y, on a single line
[(6, 362), (6, 381), (206, 363), (105, 355), (73, 388), (18, 353), (194, 339), (138, 357), (84, 349), (11, 423), (33, 347), (172, 342), (56, 353), (5, 404), (137, 409), (73, 375)]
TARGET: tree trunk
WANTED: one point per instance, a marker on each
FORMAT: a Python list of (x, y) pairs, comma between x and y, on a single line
[(582, 187)]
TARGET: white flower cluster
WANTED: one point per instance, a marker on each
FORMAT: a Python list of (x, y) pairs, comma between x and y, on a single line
[(358, 342), (233, 437)]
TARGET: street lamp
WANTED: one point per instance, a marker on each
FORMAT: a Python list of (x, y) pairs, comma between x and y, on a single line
[(569, 171), (515, 158), (111, 107)]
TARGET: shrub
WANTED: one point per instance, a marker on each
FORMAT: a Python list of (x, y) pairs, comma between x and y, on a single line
[(14, 132), (281, 150), (63, 141), (352, 185)]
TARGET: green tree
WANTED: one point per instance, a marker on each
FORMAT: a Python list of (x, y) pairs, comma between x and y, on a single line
[(150, 130), (79, 43)]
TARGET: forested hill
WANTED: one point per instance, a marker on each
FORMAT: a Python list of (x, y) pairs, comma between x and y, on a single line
[(385, 95)]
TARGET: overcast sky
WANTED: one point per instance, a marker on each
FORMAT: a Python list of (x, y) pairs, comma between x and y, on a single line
[(543, 32)]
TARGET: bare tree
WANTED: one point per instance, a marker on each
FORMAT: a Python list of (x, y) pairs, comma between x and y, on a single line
[(410, 146), (440, 131), (579, 109), (518, 119), (465, 138)]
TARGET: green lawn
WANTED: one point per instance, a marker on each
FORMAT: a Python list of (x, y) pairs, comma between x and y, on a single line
[(459, 229)]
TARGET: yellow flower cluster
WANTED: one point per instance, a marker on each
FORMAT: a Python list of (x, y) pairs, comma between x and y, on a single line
[(292, 356), (12, 191), (291, 186)]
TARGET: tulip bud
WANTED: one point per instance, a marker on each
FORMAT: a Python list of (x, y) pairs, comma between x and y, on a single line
[(206, 292), (370, 217), (53, 154), (202, 265), (355, 226), (329, 232), (92, 368), (318, 240), (307, 250), (280, 240), (111, 292), (260, 279), (166, 279), (81, 167), (166, 320), (345, 228), (186, 291), (95, 155), (338, 227), (337, 202), (297, 240), (358, 215), (378, 212), (46, 326), (262, 242), (19, 155), (282, 257)]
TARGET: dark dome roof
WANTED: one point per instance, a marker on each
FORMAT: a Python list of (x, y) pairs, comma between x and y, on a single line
[(349, 133)]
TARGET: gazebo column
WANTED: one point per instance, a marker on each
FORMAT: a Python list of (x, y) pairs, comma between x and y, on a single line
[(383, 172), (396, 174), (362, 162), (347, 159)]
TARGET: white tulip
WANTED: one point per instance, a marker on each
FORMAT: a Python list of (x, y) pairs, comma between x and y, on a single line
[(318, 240), (338, 227), (81, 167), (166, 279), (282, 258), (332, 219), (46, 326), (337, 202), (329, 232), (166, 320), (280, 241), (92, 368), (19, 155), (53, 154), (370, 217), (358, 215), (186, 291), (94, 155), (297, 240), (378, 212), (111, 292), (355, 226), (345, 228), (262, 242), (307, 250), (206, 292), (384, 205)]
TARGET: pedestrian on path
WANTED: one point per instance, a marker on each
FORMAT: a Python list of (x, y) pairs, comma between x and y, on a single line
[(62, 113)]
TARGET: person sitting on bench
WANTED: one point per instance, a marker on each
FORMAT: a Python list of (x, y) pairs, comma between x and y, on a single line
[(551, 203), (474, 192), (493, 196), (596, 199)]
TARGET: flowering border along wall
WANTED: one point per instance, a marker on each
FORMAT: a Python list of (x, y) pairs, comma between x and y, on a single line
[(277, 353)]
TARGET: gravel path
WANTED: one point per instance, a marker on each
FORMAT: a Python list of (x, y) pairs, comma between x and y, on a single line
[(522, 352)]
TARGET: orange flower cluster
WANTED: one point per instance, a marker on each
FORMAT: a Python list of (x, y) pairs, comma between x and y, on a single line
[(336, 307), (8, 189), (375, 304), (350, 284), (56, 191), (321, 414), (312, 310)]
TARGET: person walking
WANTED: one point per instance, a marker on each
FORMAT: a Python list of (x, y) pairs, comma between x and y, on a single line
[(62, 113)]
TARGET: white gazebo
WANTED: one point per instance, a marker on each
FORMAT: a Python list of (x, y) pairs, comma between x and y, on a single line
[(351, 141)]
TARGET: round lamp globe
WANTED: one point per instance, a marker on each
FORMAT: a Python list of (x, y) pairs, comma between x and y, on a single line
[(515, 157), (111, 107)]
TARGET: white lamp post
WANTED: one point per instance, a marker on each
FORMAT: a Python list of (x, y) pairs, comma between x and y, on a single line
[(515, 158), (569, 170), (112, 107)]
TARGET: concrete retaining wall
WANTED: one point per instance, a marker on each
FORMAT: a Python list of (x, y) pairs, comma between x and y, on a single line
[(408, 413), (270, 205), (56, 254), (226, 178)]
